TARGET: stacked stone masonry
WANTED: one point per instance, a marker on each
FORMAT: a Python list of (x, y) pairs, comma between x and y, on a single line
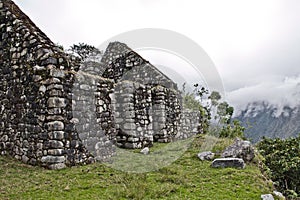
[(35, 94), (56, 111)]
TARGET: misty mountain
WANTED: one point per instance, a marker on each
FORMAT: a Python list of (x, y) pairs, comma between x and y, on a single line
[(263, 119)]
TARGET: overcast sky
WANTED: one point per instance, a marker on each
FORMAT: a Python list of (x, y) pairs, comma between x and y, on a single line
[(254, 44)]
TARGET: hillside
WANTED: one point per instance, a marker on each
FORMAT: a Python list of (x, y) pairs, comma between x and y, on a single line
[(263, 119), (186, 178)]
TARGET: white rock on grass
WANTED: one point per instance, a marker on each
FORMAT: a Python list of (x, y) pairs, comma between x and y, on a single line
[(267, 197), (278, 194), (145, 150), (228, 162), (206, 155)]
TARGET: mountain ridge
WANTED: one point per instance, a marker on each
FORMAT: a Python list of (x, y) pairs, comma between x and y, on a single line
[(262, 119)]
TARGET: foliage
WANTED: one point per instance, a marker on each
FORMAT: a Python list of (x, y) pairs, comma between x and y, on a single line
[(225, 127), (84, 50), (187, 178), (224, 112), (282, 157), (194, 101), (215, 97), (232, 130), (190, 102), (204, 120), (60, 46)]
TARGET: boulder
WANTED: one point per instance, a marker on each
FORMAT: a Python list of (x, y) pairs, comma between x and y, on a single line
[(278, 194), (239, 149), (145, 150), (228, 162), (267, 197), (206, 155)]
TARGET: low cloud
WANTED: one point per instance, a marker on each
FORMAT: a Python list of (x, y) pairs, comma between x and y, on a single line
[(275, 94)]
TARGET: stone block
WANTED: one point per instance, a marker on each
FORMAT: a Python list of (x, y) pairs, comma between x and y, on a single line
[(228, 162), (56, 102), (85, 87), (129, 126), (25, 159), (206, 155), (53, 159), (55, 152), (145, 151), (119, 120), (266, 197), (133, 139), (57, 73), (56, 144), (240, 149), (55, 126), (57, 135), (57, 166)]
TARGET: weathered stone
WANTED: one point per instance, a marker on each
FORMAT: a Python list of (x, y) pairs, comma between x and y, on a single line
[(23, 53), (74, 120), (145, 150), (228, 162), (85, 87), (57, 166), (55, 144), (133, 139), (129, 126), (56, 102), (240, 149), (53, 159), (54, 111), (57, 73), (279, 195), (267, 197), (55, 126), (39, 68), (55, 152), (55, 86), (4, 138), (25, 159), (206, 155), (42, 89), (55, 118)]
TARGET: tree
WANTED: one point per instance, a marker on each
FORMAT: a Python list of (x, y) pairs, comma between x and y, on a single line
[(200, 91), (60, 46), (233, 130), (214, 97), (282, 159), (224, 112), (84, 50), (191, 101)]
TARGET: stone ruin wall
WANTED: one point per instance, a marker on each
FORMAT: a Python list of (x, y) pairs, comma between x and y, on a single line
[(35, 95), (148, 105), (56, 112)]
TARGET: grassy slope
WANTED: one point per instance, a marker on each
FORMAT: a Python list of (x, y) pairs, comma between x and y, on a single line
[(187, 178)]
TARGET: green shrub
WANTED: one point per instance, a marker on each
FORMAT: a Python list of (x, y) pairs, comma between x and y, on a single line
[(282, 157), (232, 130)]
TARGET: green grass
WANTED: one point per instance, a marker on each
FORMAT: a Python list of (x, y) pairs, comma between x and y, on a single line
[(186, 178)]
